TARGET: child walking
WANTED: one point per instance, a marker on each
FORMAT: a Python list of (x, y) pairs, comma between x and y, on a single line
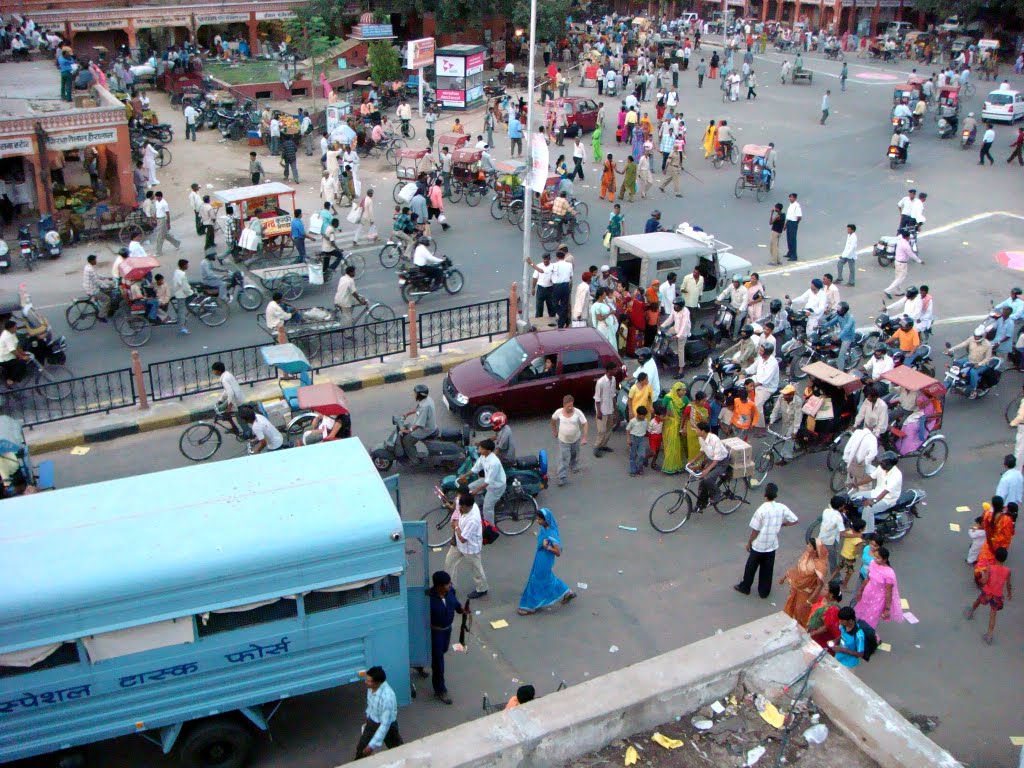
[(636, 432), (995, 581), (654, 433), (977, 534), (849, 554)]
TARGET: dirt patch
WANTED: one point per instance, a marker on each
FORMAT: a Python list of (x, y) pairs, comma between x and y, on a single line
[(732, 733)]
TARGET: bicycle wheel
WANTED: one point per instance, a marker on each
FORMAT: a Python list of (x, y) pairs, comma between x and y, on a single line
[(455, 191), (356, 260), (310, 346), (134, 330), (454, 281), (250, 298), (163, 157), (670, 511), (763, 466), (498, 209), (380, 313), (439, 531), (837, 481), (473, 195), (734, 154), (549, 233), (291, 287), (81, 315), (932, 457), (128, 231), (734, 496), (580, 232), (212, 311), (409, 131), (738, 189), (53, 379), (394, 192), (516, 212), (761, 192), (200, 441), (516, 515), (970, 90), (390, 255), (299, 424), (718, 160), (835, 453), (582, 210)]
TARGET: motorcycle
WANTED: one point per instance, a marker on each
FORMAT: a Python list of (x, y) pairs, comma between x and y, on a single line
[(824, 345), (902, 125), (893, 524), (5, 259), (896, 157), (493, 88), (947, 126), (885, 248), (699, 345), (888, 325), (967, 138), (723, 374), (958, 379), (27, 245), (414, 283), (834, 52), (51, 246), (530, 471), (447, 449), (162, 132), (725, 316)]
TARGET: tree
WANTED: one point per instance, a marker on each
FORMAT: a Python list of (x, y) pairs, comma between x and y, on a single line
[(311, 35), (551, 16), (384, 62), (329, 12)]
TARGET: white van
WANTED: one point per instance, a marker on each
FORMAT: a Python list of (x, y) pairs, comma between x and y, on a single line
[(688, 19), (1003, 105)]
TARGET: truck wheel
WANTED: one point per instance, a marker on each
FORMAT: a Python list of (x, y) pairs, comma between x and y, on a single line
[(216, 743)]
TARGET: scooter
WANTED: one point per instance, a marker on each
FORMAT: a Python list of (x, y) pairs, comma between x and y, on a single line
[(967, 138), (947, 126), (699, 345), (447, 449), (51, 246), (885, 248), (27, 245), (530, 471), (896, 157)]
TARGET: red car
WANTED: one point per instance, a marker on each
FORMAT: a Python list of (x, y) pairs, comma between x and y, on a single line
[(582, 112), (529, 374)]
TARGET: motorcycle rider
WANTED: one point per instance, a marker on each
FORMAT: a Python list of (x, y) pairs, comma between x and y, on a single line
[(919, 109), (13, 359), (736, 294), (901, 142), (212, 276), (903, 113), (912, 304), (765, 371), (424, 425), (979, 352), (888, 487), (908, 339), (971, 126), (779, 318), (814, 301), (504, 447), (744, 351), (843, 320), (427, 263), (649, 366), (927, 317)]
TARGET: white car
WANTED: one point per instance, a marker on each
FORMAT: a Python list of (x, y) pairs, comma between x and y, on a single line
[(1003, 105)]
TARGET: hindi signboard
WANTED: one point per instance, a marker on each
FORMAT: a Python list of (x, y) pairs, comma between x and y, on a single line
[(15, 147), (81, 138), (419, 53)]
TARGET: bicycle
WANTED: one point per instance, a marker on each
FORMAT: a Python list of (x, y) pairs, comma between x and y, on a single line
[(513, 514), (555, 229), (135, 329), (83, 312), (51, 380), (719, 158), (670, 511), (394, 252), (773, 453), (201, 440), (969, 89)]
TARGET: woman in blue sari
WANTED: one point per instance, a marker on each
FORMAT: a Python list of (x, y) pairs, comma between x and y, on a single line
[(543, 588)]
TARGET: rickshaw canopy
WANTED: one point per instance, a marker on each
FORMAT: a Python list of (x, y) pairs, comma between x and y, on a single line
[(510, 167), (833, 376), (326, 399), (914, 381), (410, 153), (946, 90), (287, 358), (905, 91), (755, 150), (451, 139), (137, 267), (467, 156)]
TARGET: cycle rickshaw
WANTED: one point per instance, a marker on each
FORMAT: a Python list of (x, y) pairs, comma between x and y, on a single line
[(754, 174), (509, 191), (410, 165), (468, 177)]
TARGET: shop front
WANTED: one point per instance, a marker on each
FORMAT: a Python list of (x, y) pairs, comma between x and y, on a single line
[(158, 32), (231, 28), (459, 76)]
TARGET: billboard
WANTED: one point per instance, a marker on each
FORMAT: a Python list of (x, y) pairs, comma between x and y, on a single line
[(419, 53)]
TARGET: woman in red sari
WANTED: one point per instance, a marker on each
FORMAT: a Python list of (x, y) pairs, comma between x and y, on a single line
[(999, 526), (823, 623), (636, 319), (652, 313)]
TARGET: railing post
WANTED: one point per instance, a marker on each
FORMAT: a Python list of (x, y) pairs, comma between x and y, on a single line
[(513, 309), (140, 381), (414, 332), (282, 335)]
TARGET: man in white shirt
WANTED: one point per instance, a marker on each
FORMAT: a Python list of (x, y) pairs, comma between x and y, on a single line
[(467, 545), (714, 461), (679, 324), (765, 371), (13, 359), (191, 115), (579, 157), (813, 301), (265, 435), (162, 211), (195, 202), (561, 284), (692, 289), (541, 287), (888, 487), (794, 214), (275, 135), (987, 140), (667, 293), (604, 407), (277, 316), (306, 130), (231, 399), (135, 249), (569, 427), (346, 296), (917, 210), (873, 413), (832, 526), (770, 518), (181, 289), (736, 294), (831, 290), (493, 479), (848, 258), (905, 207), (880, 362), (425, 261)]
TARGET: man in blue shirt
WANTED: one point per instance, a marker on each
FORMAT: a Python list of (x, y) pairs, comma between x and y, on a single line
[(299, 236), (515, 135), (654, 223), (851, 638), (65, 62), (1003, 341), (847, 331), (381, 727), (443, 607), (1015, 304), (1011, 483)]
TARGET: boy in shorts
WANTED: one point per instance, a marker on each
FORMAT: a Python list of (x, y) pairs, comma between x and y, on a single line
[(852, 540), (995, 581)]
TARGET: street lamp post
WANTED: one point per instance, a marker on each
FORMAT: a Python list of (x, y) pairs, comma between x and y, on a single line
[(524, 318)]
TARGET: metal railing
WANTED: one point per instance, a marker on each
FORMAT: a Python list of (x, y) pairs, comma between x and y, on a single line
[(192, 375), (472, 321), (351, 345), (81, 396)]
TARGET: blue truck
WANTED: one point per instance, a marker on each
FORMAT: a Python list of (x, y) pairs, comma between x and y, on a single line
[(188, 605)]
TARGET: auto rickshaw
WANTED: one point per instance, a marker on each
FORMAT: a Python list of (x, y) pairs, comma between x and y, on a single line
[(754, 173), (17, 470), (909, 91), (328, 401), (948, 101)]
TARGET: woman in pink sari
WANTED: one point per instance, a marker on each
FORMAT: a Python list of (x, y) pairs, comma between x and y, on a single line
[(98, 75), (879, 596), (328, 91)]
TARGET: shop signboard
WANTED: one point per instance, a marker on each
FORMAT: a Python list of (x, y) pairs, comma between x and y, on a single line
[(164, 20), (452, 98), (78, 139), (97, 25), (15, 147), (220, 18), (419, 53), (450, 66), (274, 15), (474, 63), (374, 30)]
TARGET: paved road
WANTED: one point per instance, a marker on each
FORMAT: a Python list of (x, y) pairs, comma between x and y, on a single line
[(839, 170), (646, 593)]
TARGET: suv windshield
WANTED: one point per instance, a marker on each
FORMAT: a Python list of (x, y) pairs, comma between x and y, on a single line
[(505, 360)]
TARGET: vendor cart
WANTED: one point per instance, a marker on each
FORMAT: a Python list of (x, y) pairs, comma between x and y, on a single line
[(468, 176), (312, 328), (264, 202)]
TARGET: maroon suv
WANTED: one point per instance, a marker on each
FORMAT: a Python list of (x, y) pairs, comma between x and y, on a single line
[(529, 374)]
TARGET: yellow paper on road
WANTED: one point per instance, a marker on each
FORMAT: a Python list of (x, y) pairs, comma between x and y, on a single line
[(963, 509), (499, 624), (905, 604), (772, 716), (954, 527), (80, 450), (884, 647), (665, 741), (1017, 741), (631, 756)]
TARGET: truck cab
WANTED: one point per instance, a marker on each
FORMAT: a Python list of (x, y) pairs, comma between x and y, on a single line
[(640, 259)]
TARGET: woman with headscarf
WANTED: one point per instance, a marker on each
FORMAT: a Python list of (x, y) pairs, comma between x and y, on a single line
[(603, 317), (672, 431), (806, 579), (637, 146), (543, 588), (634, 308), (879, 595), (595, 140), (581, 301), (693, 414), (710, 140), (98, 75), (652, 313), (999, 526)]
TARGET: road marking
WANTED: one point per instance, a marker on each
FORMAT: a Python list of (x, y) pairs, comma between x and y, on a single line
[(801, 266)]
